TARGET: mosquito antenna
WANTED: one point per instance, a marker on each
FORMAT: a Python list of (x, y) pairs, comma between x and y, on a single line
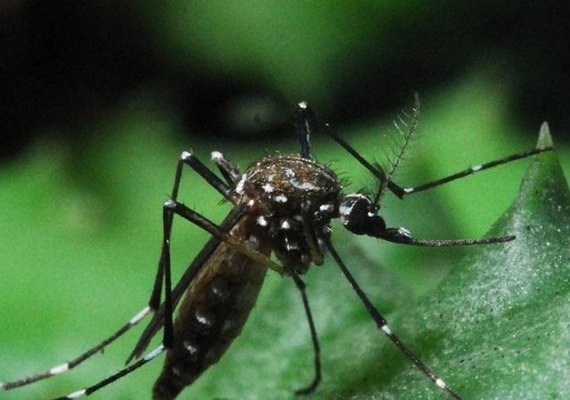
[(382, 325), (376, 170), (303, 127), (400, 156)]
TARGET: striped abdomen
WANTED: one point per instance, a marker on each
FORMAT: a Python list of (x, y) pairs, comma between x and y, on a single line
[(212, 314)]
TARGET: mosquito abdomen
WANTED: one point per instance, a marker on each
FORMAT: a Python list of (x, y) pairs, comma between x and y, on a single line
[(212, 314)]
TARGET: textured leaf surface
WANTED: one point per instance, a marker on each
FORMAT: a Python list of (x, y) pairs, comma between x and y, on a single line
[(496, 328), (77, 262)]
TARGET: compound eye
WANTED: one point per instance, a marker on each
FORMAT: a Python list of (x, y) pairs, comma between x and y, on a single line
[(355, 213)]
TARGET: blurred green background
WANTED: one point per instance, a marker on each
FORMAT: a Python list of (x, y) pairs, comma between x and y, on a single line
[(99, 98)]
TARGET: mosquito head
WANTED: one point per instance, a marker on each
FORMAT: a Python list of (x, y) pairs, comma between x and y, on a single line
[(359, 214)]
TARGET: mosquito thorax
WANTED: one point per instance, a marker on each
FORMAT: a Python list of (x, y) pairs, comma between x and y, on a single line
[(359, 214), (292, 200)]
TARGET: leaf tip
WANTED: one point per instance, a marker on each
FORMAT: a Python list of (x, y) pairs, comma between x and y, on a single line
[(544, 137)]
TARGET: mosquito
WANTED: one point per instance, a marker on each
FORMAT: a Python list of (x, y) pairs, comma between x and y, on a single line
[(283, 206)]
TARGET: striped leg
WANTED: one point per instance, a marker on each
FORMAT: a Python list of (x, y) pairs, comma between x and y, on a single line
[(229, 171), (59, 369), (218, 233), (163, 276), (385, 177), (474, 169), (116, 376), (163, 270), (186, 158), (382, 325)]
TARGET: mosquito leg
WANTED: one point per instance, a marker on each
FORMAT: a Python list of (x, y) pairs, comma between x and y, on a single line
[(186, 158), (118, 375), (229, 171), (170, 208), (382, 325), (204, 223), (163, 274), (315, 339), (158, 318), (218, 234), (376, 170), (475, 169), (59, 369), (399, 191), (168, 337), (303, 126)]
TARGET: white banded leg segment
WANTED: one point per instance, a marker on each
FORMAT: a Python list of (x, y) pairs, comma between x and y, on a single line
[(140, 316), (426, 370), (118, 375), (382, 325), (187, 158), (439, 382), (477, 168), (76, 395), (153, 354), (230, 171), (62, 368)]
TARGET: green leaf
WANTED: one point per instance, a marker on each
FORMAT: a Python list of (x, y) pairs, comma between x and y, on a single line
[(496, 328), (69, 279)]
